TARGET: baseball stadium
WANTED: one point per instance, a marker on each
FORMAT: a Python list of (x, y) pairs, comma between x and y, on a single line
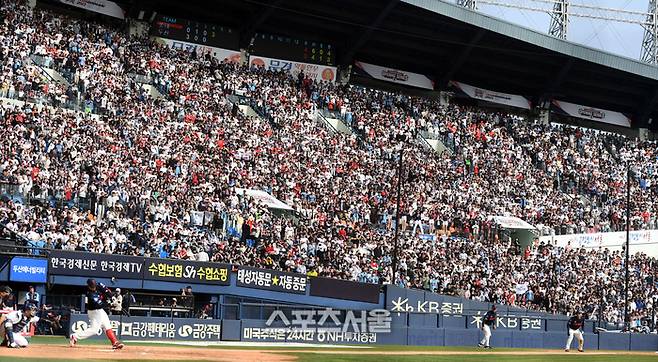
[(288, 180)]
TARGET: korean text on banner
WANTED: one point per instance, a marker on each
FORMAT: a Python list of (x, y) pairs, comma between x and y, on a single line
[(105, 7), (314, 71), (95, 265), (394, 75), (187, 271), (511, 100)]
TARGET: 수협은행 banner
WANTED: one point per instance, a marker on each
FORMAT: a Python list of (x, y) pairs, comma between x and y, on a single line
[(591, 113), (273, 280), (313, 71), (507, 99), (393, 75), (175, 270)]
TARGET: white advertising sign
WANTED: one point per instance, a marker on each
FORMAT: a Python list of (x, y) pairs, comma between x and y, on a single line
[(593, 114), (106, 7), (512, 100), (313, 71), (220, 54), (645, 241), (396, 75)]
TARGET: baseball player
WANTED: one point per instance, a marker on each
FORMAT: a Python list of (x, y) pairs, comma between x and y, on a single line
[(98, 296), (574, 326), (488, 322), (12, 324)]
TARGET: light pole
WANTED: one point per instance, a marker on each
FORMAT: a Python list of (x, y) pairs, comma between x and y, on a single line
[(628, 238), (397, 215)]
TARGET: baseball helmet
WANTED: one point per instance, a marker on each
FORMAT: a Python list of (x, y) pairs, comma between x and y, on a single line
[(30, 307), (91, 282)]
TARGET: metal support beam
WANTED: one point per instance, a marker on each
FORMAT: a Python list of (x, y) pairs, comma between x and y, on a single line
[(559, 19), (460, 59), (248, 31), (359, 40), (650, 40)]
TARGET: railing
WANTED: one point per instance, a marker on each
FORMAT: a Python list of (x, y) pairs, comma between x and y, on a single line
[(326, 123)]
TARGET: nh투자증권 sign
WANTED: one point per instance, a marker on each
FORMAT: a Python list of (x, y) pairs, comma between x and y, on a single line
[(85, 264), (271, 280), (187, 271)]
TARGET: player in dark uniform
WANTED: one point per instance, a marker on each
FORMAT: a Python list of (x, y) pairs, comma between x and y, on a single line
[(574, 327), (98, 296), (488, 323)]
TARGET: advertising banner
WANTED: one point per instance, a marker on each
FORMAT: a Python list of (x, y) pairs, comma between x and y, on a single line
[(220, 54), (29, 270), (105, 7), (313, 71), (143, 328), (394, 75), (592, 114), (273, 280), (85, 264), (320, 326), (184, 271), (343, 289), (511, 100), (645, 241)]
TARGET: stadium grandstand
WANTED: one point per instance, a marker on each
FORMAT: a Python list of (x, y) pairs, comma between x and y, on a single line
[(413, 143)]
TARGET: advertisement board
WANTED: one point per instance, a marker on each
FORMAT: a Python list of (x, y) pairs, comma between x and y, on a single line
[(314, 71), (273, 280), (85, 264), (105, 7), (149, 328), (591, 113), (394, 75), (507, 99), (202, 49), (28, 270), (184, 271)]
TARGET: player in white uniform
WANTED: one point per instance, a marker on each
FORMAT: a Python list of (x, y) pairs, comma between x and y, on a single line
[(13, 324)]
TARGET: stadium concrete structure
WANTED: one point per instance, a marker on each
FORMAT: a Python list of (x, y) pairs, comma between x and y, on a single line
[(431, 37), (447, 43)]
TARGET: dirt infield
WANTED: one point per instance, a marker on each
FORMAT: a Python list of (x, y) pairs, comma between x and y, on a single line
[(146, 353), (168, 353)]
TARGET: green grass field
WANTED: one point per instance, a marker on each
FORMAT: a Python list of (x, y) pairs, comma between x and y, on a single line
[(307, 354)]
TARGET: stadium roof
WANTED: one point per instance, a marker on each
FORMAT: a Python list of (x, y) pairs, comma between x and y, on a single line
[(445, 42)]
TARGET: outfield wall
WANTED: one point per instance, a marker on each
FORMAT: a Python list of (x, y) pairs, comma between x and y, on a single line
[(417, 317)]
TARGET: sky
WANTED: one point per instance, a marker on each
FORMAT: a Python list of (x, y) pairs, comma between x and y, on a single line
[(615, 37)]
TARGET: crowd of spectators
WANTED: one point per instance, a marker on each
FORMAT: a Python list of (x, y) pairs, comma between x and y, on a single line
[(132, 174)]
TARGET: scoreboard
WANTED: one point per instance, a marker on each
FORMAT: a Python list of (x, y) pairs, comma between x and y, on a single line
[(298, 50), (194, 32)]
